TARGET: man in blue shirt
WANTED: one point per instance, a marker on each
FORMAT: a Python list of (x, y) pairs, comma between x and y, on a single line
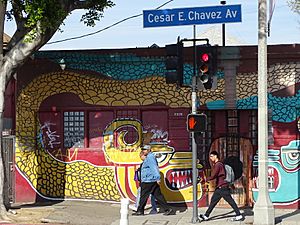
[(150, 181)]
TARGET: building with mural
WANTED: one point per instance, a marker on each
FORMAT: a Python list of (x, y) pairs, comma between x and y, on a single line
[(77, 132)]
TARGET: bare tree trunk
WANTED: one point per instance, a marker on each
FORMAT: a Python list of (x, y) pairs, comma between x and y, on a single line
[(3, 211), (2, 18)]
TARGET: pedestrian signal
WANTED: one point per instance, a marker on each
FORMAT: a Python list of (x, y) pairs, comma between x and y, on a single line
[(196, 122)]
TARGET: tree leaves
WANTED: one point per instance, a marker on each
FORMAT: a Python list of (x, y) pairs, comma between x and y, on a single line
[(50, 14)]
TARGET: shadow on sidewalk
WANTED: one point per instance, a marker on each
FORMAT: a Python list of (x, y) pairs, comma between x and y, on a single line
[(279, 219), (35, 204), (230, 214), (222, 216)]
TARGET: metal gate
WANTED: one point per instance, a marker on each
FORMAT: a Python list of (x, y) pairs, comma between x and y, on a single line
[(8, 146)]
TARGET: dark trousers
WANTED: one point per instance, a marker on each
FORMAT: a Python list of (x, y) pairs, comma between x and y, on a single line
[(223, 192), (154, 189)]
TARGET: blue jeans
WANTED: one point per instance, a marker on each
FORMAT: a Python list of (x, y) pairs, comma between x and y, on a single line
[(138, 196)]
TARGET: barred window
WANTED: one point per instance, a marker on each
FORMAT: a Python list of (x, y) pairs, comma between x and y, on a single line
[(73, 129)]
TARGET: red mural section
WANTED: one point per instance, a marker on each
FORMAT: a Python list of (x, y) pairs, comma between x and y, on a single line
[(51, 133), (166, 125), (283, 133), (98, 120)]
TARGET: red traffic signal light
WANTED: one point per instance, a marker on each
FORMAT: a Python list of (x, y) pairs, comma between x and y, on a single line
[(205, 57), (196, 122), (206, 64)]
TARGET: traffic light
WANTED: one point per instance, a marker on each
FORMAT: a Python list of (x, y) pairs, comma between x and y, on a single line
[(207, 64), (174, 63), (196, 122)]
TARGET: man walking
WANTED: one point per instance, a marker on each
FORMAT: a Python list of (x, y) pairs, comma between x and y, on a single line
[(150, 178), (222, 188)]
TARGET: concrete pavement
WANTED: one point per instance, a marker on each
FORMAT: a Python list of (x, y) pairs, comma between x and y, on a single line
[(220, 216), (99, 213)]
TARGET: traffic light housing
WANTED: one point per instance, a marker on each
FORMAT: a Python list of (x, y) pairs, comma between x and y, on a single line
[(174, 64), (207, 64), (196, 122)]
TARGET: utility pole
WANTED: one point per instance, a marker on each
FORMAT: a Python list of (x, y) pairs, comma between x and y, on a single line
[(263, 208)]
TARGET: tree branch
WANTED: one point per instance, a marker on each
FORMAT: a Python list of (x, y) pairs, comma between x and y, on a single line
[(17, 37), (78, 5), (17, 13), (20, 52), (2, 19)]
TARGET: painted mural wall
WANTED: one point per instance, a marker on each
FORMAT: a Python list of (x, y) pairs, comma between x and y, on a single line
[(53, 162)]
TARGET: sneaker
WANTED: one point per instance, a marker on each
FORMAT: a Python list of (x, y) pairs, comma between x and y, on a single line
[(138, 213), (237, 218), (203, 217), (168, 212), (132, 207), (153, 212)]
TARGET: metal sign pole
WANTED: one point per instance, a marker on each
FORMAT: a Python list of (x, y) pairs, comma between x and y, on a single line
[(194, 146)]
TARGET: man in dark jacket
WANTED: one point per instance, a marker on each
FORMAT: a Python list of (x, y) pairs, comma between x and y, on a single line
[(222, 188)]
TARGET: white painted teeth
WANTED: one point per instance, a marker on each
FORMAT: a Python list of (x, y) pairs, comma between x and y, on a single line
[(182, 184), (178, 184), (181, 178), (173, 185)]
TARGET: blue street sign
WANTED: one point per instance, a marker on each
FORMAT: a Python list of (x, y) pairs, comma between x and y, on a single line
[(192, 16)]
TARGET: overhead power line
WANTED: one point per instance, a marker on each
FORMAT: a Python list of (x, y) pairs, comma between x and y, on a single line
[(105, 28)]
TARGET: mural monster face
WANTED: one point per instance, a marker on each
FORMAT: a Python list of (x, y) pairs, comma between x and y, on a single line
[(290, 156), (175, 167), (283, 170)]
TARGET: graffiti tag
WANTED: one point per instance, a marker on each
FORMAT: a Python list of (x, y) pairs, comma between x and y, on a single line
[(51, 136)]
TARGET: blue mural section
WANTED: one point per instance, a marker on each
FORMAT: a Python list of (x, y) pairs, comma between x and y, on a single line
[(117, 66), (284, 109)]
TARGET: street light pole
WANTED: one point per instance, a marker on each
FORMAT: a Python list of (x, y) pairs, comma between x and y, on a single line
[(223, 27), (195, 218), (263, 208)]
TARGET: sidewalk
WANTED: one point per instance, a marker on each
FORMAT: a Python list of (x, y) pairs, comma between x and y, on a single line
[(100, 213), (219, 216)]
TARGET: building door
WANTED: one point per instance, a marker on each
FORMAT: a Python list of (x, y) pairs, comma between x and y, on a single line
[(8, 146)]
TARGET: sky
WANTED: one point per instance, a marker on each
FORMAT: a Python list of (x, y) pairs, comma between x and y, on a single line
[(285, 26)]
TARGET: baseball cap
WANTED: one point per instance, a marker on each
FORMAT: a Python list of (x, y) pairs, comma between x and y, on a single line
[(146, 147)]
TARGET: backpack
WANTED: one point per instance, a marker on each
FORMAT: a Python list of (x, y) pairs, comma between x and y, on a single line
[(137, 175), (229, 174), (237, 166)]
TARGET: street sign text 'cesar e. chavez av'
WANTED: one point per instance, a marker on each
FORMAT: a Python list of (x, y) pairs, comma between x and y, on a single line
[(192, 16)]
